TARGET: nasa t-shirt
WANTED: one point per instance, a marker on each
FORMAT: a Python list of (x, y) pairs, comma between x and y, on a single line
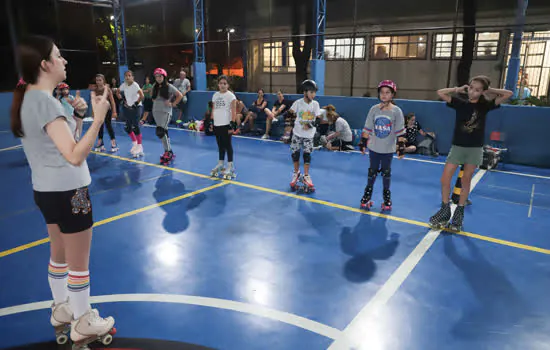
[(384, 127)]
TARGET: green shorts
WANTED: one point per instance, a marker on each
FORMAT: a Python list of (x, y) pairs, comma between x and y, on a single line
[(465, 155)]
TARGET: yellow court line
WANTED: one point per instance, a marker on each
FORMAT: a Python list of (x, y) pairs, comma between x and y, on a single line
[(117, 217), (339, 206)]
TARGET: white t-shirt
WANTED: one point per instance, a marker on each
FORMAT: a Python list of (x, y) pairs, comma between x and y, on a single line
[(130, 93), (222, 107), (305, 114), (342, 126)]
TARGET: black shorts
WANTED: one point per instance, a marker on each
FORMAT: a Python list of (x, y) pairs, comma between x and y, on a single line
[(343, 145), (70, 210), (148, 105)]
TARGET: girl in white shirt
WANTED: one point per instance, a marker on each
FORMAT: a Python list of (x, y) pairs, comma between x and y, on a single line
[(224, 112)]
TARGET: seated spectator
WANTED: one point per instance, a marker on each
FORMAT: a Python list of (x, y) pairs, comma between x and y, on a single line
[(257, 107), (413, 128), (241, 112), (324, 122), (342, 138), (280, 107)]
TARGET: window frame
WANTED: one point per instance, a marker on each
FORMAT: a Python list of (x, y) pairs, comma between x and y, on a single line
[(336, 45), (373, 46), (477, 57)]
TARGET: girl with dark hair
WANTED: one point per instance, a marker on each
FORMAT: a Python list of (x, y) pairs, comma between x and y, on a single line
[(102, 88), (467, 145), (224, 111), (163, 93), (60, 180)]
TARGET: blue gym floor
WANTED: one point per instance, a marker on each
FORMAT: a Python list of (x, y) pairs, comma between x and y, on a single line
[(183, 261)]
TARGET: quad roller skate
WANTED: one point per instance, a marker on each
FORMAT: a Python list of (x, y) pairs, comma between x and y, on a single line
[(167, 158), (90, 328), (456, 223), (100, 147), (217, 171), (229, 173), (366, 203), (61, 321), (302, 183), (114, 148), (440, 219), (386, 206), (137, 151)]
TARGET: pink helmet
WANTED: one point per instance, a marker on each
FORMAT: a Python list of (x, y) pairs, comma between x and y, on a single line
[(62, 86), (161, 72), (389, 84)]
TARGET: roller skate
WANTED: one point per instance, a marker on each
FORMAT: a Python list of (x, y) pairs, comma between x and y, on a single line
[(229, 173), (307, 184), (218, 170), (167, 158), (114, 148), (366, 203), (386, 206), (440, 219), (90, 328), (138, 152), (100, 147), (295, 177), (456, 223), (61, 318)]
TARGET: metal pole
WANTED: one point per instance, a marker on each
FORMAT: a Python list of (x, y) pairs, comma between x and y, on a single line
[(271, 51), (453, 45), (514, 62), (228, 54), (9, 11), (353, 47)]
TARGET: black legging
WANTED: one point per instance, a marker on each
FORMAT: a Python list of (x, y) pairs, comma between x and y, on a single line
[(109, 126), (224, 142)]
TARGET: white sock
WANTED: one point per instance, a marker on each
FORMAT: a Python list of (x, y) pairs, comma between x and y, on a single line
[(57, 277), (79, 292)]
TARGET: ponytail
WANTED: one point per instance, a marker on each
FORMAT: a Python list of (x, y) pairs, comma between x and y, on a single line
[(16, 124)]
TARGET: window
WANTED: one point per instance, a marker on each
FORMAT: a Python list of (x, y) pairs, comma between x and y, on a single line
[(399, 47), (342, 49), (485, 46), (278, 56)]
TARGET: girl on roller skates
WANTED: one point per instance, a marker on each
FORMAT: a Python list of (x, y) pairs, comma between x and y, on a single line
[(306, 110), (60, 180), (224, 112), (163, 93), (102, 88), (131, 95), (384, 128), (467, 145)]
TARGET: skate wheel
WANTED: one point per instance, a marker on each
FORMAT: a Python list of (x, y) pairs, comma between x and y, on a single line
[(107, 339), (62, 339)]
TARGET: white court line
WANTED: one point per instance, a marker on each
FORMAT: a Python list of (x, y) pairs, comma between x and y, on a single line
[(10, 148), (251, 309), (516, 190), (531, 204), (358, 333), (521, 174)]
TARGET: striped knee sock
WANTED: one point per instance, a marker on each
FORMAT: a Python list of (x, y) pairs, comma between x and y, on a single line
[(79, 292), (57, 277)]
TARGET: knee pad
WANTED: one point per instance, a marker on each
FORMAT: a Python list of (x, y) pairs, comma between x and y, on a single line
[(372, 172), (307, 158), (386, 172), (128, 128), (160, 131), (296, 156)]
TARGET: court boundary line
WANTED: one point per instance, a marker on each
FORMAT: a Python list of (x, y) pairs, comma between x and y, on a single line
[(531, 203), (11, 148), (225, 304), (117, 217), (338, 206), (357, 330)]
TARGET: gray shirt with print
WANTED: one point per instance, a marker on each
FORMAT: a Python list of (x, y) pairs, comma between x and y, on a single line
[(159, 103), (384, 127), (50, 170)]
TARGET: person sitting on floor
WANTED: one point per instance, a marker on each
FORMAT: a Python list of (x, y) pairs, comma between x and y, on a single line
[(413, 128), (342, 138)]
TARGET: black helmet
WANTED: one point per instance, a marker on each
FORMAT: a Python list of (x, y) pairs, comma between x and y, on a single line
[(309, 85)]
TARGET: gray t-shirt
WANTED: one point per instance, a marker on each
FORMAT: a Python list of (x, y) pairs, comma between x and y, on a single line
[(159, 103), (182, 85), (383, 128), (51, 172), (342, 126)]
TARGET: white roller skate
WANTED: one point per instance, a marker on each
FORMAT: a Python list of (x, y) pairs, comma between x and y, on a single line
[(89, 328), (138, 152), (229, 173), (61, 318), (294, 181), (308, 184), (114, 148), (217, 171)]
